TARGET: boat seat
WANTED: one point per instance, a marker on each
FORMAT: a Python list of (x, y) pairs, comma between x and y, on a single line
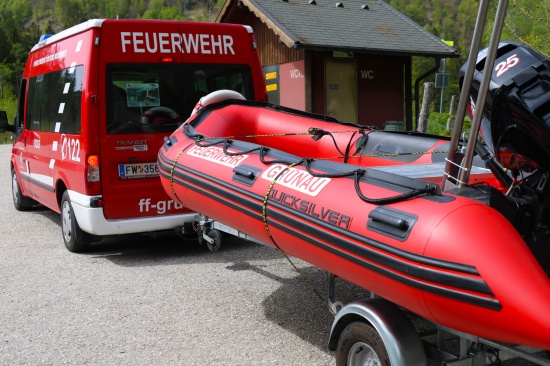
[(408, 147)]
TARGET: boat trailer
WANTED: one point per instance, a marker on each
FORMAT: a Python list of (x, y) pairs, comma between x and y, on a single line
[(388, 334)]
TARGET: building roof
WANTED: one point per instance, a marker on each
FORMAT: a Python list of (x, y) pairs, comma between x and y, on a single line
[(340, 25)]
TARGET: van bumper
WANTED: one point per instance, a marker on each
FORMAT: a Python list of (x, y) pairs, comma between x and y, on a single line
[(91, 219)]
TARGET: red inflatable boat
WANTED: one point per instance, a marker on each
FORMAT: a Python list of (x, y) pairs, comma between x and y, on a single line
[(267, 171), (367, 206)]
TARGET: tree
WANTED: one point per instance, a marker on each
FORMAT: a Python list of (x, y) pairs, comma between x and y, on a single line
[(70, 12), (528, 21), (6, 86), (22, 9)]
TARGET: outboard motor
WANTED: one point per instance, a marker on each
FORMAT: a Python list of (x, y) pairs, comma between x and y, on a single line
[(515, 127)]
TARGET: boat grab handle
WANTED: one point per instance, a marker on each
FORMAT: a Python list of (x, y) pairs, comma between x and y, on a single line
[(388, 220), (246, 174), (391, 222)]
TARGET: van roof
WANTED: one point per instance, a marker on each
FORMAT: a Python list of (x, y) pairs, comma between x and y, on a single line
[(92, 23), (97, 23)]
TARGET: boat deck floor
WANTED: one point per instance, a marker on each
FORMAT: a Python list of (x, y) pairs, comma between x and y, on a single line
[(431, 172)]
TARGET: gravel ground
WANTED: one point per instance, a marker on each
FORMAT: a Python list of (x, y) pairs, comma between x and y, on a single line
[(137, 300)]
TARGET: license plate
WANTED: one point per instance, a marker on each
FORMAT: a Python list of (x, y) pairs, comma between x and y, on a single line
[(138, 170)]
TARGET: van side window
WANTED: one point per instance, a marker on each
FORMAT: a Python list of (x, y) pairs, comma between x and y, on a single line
[(54, 101), (20, 115), (30, 118)]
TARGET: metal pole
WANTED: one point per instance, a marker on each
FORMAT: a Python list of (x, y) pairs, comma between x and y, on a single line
[(417, 86), (466, 85), (464, 174), (442, 70), (441, 100)]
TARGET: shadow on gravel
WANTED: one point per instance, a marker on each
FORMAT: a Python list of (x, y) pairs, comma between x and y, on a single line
[(141, 250), (40, 210), (296, 307), (138, 250)]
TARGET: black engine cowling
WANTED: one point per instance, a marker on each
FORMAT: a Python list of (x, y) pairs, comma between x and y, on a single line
[(515, 127), (516, 115)]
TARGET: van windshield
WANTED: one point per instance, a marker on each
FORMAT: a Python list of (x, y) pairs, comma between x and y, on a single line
[(155, 98)]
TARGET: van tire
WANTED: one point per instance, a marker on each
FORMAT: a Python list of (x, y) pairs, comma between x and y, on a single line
[(75, 239), (21, 203)]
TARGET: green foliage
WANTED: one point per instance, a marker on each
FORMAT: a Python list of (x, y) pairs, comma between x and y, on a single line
[(158, 10), (527, 21), (438, 122), (22, 9), (23, 21), (8, 103)]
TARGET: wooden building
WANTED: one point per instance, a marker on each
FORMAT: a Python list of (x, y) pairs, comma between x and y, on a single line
[(350, 59)]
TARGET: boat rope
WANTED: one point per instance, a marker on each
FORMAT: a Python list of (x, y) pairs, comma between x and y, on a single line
[(172, 174), (264, 217), (200, 140), (357, 173), (262, 151), (388, 200), (317, 134), (266, 197)]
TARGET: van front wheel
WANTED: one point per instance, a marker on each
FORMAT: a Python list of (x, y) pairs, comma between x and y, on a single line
[(75, 239)]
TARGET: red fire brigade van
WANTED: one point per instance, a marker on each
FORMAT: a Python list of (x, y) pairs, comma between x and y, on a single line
[(95, 103)]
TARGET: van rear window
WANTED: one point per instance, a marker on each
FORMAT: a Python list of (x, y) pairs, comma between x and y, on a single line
[(155, 98)]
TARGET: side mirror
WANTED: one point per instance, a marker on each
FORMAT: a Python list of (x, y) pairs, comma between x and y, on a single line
[(4, 126)]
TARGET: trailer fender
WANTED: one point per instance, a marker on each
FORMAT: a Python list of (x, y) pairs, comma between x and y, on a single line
[(397, 332)]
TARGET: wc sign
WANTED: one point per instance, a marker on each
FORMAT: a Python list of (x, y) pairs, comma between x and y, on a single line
[(295, 74), (367, 74)]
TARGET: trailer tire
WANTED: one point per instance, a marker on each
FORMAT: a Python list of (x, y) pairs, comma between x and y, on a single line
[(360, 344), (216, 236), (76, 240), (20, 202)]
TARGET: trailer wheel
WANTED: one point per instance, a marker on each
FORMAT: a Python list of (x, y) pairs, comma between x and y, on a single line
[(21, 203), (75, 239), (360, 344), (216, 236)]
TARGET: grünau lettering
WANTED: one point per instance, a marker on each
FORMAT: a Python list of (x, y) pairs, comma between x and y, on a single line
[(296, 179)]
